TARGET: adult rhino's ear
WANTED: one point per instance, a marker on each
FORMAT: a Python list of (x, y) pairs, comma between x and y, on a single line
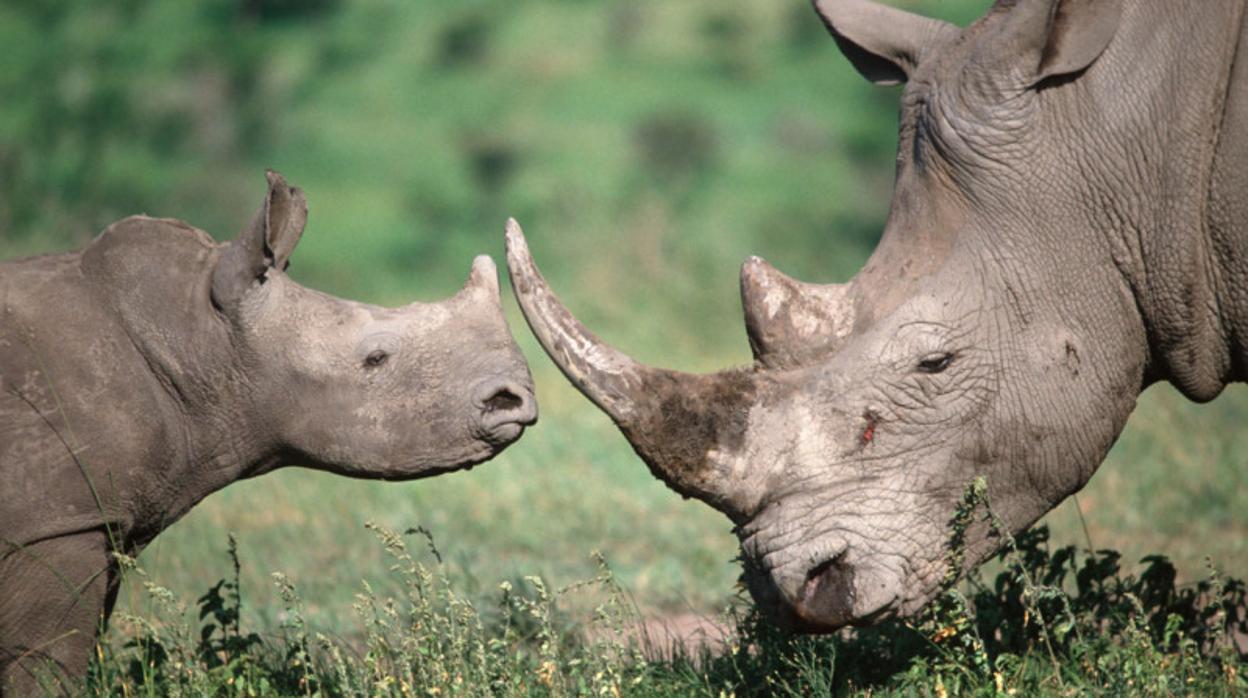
[(265, 244), (1042, 39), (885, 44)]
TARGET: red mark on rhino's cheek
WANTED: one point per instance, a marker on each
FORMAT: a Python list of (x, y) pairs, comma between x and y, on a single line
[(868, 432)]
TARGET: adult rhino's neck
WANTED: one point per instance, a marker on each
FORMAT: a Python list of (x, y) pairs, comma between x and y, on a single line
[(1227, 209), (1160, 93), (156, 276)]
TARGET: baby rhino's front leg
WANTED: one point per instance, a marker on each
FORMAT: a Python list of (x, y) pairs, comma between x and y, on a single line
[(52, 598)]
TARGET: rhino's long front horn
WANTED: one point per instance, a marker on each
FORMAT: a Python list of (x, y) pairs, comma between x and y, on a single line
[(683, 425)]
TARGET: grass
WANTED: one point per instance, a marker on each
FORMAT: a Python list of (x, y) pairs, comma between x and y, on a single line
[(1054, 621), (648, 147)]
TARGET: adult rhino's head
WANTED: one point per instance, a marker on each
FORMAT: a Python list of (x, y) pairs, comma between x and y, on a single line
[(366, 391), (990, 333)]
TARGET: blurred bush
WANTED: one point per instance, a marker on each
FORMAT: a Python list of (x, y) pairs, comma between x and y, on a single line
[(676, 145), (111, 106), (464, 40)]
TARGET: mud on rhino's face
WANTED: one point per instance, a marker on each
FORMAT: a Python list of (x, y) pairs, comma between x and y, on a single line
[(842, 473), (856, 464)]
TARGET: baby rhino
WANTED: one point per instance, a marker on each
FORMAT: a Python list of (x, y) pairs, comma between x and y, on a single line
[(156, 366)]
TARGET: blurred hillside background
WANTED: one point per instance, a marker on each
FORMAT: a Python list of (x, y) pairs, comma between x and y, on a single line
[(647, 146)]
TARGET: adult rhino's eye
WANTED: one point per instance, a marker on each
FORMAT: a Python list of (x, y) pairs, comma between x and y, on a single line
[(936, 363), (376, 358)]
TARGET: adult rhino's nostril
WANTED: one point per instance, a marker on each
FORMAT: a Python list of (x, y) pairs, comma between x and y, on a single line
[(827, 598)]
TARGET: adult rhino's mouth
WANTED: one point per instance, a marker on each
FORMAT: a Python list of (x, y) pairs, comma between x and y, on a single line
[(824, 597), (835, 595), (827, 597)]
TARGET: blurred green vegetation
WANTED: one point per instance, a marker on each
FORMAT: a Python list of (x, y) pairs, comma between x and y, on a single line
[(648, 147)]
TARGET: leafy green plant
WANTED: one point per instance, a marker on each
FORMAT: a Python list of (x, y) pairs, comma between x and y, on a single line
[(222, 643)]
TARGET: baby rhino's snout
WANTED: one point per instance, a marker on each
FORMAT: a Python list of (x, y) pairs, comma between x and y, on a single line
[(504, 407)]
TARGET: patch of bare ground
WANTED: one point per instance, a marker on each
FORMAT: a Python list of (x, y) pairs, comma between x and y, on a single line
[(673, 635)]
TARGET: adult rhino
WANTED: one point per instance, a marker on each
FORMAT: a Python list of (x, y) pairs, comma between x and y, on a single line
[(1069, 225), (154, 367)]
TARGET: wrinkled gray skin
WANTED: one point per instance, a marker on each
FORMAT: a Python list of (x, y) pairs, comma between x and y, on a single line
[(1068, 227), (156, 366)]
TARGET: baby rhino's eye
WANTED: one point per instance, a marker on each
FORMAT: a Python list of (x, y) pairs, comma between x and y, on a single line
[(936, 363)]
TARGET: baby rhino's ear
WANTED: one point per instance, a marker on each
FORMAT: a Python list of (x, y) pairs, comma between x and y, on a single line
[(285, 215), (265, 244)]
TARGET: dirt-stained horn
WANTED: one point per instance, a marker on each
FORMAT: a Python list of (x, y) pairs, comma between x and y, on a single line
[(673, 420)]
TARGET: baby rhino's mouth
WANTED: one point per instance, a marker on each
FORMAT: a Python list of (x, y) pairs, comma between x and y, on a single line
[(504, 408)]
